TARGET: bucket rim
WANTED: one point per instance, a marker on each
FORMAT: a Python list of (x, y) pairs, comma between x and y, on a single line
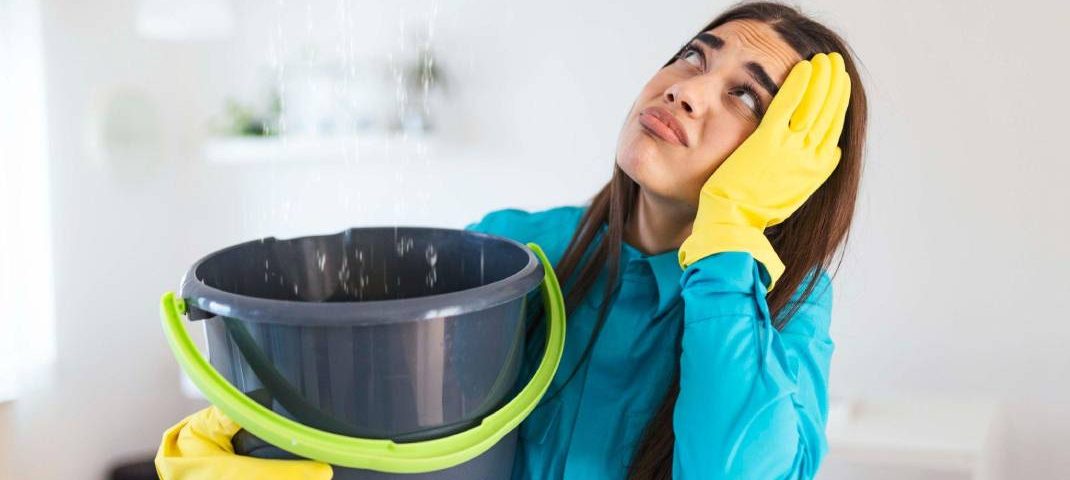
[(217, 302)]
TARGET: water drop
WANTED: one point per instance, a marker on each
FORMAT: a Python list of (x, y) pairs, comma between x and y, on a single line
[(432, 259)]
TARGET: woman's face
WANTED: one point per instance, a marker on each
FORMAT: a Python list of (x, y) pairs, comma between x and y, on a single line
[(716, 90)]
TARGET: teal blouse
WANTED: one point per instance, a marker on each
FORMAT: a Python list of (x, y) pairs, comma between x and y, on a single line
[(753, 400)]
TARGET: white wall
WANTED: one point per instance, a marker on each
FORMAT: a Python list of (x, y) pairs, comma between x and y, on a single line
[(952, 275), (112, 388), (959, 257)]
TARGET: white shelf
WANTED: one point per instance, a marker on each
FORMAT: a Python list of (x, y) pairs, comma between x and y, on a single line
[(939, 434), (306, 149)]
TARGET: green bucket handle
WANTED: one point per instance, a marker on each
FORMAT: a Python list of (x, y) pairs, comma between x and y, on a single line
[(371, 454)]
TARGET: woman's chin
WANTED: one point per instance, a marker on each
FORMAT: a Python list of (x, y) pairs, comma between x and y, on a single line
[(635, 168), (637, 155)]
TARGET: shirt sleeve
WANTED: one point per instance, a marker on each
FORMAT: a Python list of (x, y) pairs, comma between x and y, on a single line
[(753, 401)]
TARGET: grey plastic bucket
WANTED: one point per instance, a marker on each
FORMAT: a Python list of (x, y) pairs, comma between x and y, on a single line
[(399, 333)]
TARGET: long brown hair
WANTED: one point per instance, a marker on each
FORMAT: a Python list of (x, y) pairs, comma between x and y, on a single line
[(806, 242)]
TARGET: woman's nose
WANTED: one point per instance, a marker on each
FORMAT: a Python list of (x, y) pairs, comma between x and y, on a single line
[(682, 98)]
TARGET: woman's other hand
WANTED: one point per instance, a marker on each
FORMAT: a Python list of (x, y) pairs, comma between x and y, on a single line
[(199, 448)]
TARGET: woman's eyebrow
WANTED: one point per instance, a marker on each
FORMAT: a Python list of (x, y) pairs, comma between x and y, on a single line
[(755, 69), (711, 40)]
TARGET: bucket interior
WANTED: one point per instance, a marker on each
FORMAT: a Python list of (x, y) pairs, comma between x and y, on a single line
[(362, 265)]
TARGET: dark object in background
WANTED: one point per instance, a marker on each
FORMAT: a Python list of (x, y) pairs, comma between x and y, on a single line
[(134, 470)]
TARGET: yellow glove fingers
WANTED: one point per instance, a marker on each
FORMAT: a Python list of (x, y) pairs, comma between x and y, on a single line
[(199, 448), (832, 137), (210, 429), (206, 432), (816, 92), (236, 467), (789, 94), (831, 106)]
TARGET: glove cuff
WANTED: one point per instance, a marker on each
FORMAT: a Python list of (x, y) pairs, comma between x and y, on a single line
[(717, 234)]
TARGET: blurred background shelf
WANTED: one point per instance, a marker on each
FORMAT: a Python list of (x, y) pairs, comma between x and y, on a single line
[(306, 149), (915, 437)]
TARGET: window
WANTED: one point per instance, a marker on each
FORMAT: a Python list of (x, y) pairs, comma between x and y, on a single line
[(26, 308)]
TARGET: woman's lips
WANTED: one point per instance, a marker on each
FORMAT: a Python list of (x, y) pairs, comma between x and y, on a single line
[(662, 123)]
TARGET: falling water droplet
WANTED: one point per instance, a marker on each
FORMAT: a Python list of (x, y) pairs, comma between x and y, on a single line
[(403, 245), (432, 259)]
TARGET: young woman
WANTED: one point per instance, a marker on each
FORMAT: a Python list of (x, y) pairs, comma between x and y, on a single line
[(707, 355)]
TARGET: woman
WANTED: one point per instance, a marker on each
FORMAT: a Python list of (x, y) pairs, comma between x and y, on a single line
[(708, 355)]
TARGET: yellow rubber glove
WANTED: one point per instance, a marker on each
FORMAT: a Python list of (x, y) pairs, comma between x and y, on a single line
[(198, 448), (772, 173)]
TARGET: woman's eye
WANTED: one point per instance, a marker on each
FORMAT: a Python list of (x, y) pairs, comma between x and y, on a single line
[(749, 97), (693, 57)]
